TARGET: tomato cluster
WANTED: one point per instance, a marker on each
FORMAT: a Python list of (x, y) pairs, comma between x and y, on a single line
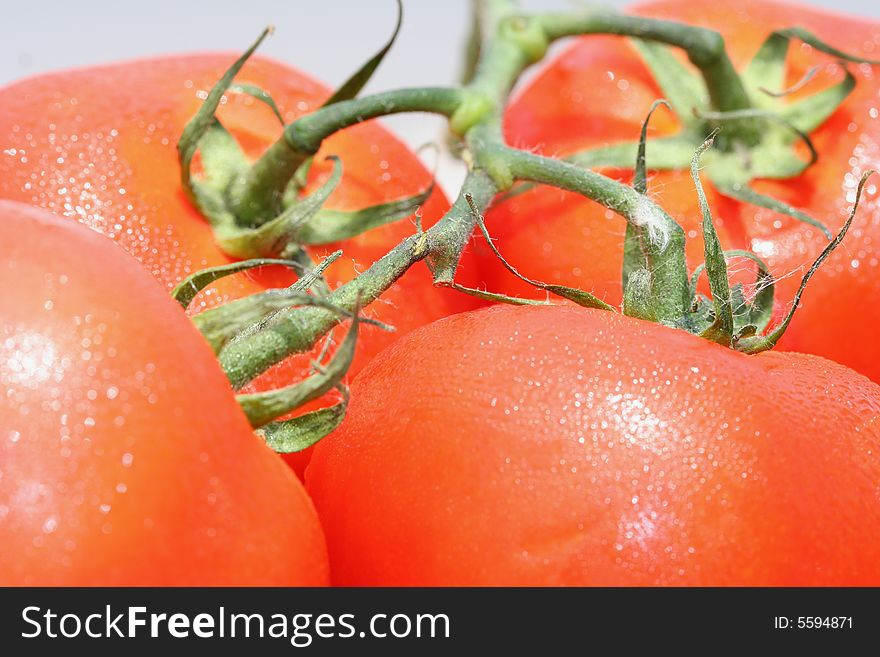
[(551, 445)]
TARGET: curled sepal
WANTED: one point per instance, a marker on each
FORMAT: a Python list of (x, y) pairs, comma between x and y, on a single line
[(815, 42), (685, 90), (260, 95), (634, 258), (640, 176), (797, 86), (207, 198), (773, 117), (767, 68), (580, 297), (811, 112), (276, 235), (722, 329), (758, 313), (185, 291), (221, 324), (352, 87), (745, 194), (766, 73), (758, 343), (328, 226), (496, 297), (311, 280), (303, 431), (263, 407)]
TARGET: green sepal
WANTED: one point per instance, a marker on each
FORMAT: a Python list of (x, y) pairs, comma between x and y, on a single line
[(637, 300), (352, 87), (221, 324), (811, 112), (497, 297), (684, 90), (634, 259), (207, 198), (758, 343), (311, 280), (746, 194), (258, 94), (222, 160), (722, 328), (756, 314), (767, 68), (263, 407), (580, 297), (276, 235), (297, 183), (185, 291), (797, 86), (640, 174), (813, 41), (303, 431), (772, 117), (329, 226)]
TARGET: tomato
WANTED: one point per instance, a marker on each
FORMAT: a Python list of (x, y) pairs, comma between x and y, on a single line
[(124, 457), (98, 145), (598, 92), (563, 446)]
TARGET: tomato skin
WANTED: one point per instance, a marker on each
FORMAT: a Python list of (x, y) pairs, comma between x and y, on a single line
[(99, 145), (563, 446), (598, 91), (124, 457)]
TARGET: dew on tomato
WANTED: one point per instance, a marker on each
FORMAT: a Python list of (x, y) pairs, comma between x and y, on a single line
[(563, 446), (124, 457), (98, 145)]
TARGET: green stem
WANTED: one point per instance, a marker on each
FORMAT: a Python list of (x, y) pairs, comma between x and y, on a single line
[(296, 330), (704, 47), (664, 253), (256, 196), (509, 44)]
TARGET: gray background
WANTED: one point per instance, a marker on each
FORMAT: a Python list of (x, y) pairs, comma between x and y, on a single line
[(327, 38)]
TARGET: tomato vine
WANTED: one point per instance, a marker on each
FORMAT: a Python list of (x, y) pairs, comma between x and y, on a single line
[(257, 211)]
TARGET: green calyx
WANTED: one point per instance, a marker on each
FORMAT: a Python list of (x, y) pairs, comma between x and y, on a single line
[(768, 149), (258, 209), (728, 318), (269, 210)]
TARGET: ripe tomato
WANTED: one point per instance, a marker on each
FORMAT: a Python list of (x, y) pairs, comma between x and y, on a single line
[(98, 145), (598, 92), (124, 458), (589, 448)]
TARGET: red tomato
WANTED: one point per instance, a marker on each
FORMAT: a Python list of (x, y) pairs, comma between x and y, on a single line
[(598, 91), (563, 446), (124, 458), (98, 145)]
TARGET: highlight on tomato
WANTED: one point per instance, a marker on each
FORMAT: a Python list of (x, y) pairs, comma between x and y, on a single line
[(124, 457), (567, 446)]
